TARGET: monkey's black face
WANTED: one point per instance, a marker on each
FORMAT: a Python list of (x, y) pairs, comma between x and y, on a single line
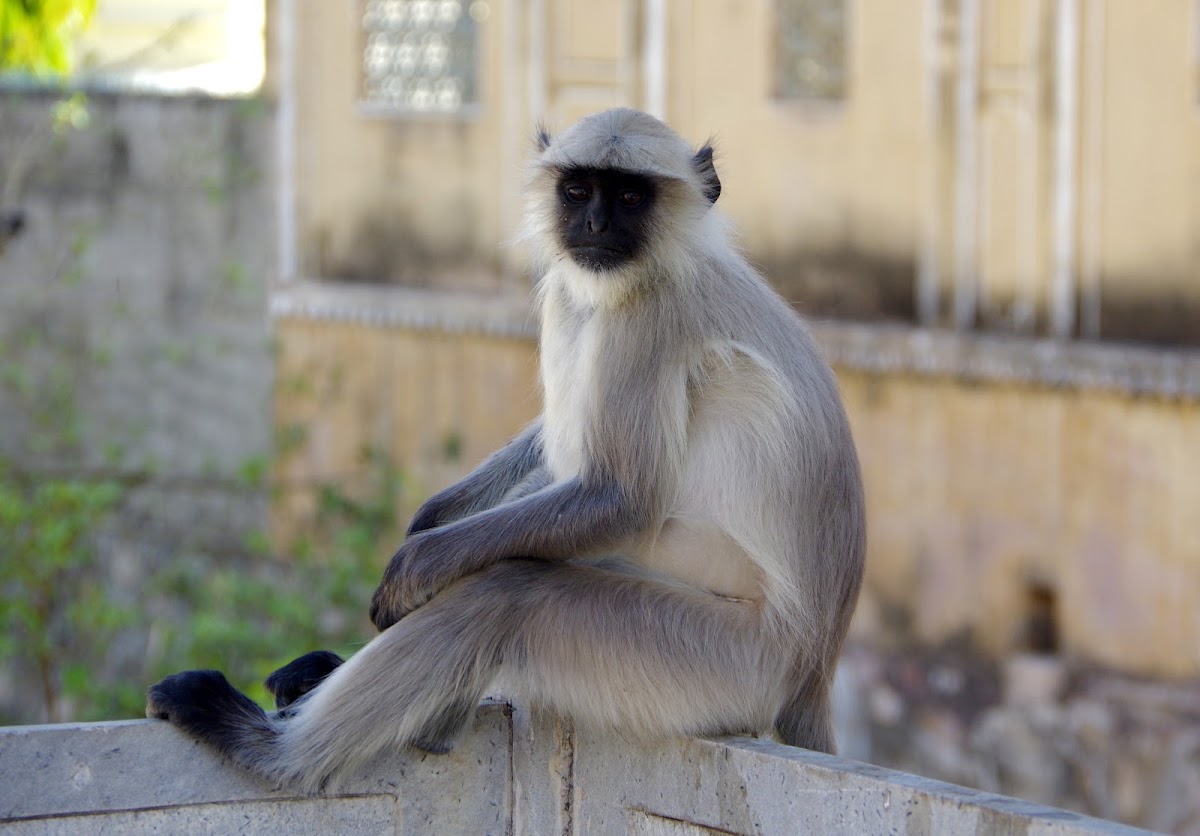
[(604, 216)]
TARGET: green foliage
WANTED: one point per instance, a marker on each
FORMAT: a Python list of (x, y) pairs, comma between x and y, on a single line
[(53, 611), (36, 35), (84, 641), (82, 636), (246, 614), (256, 615)]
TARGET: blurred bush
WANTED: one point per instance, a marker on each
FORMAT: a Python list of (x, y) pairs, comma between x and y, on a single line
[(67, 626)]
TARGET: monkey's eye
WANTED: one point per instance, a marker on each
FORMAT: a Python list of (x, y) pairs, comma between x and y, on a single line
[(577, 193), (629, 198)]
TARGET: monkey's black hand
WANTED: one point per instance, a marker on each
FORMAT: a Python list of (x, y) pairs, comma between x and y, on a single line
[(432, 513), (298, 677), (426, 517), (416, 572)]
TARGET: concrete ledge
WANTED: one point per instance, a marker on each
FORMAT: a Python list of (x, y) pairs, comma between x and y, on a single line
[(146, 775), (974, 357), (513, 773), (501, 315)]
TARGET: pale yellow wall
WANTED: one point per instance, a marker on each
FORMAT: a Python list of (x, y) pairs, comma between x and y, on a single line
[(974, 490), (156, 33), (796, 176), (1150, 232), (805, 175), (431, 184), (408, 394), (880, 177)]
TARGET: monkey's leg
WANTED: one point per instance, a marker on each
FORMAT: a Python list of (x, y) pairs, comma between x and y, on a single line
[(603, 646), (649, 657)]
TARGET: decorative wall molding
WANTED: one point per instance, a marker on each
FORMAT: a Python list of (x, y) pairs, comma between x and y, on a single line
[(874, 348)]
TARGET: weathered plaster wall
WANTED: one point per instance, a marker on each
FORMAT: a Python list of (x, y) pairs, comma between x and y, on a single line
[(997, 470), (137, 287), (134, 341)]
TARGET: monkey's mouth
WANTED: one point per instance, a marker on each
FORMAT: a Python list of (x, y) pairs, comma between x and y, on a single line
[(598, 258)]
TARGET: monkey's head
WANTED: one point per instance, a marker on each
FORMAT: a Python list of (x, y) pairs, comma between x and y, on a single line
[(610, 188)]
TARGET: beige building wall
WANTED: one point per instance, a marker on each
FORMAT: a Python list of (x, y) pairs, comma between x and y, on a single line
[(984, 499), (990, 499), (1023, 165), (1030, 166), (806, 174), (1146, 181), (414, 200)]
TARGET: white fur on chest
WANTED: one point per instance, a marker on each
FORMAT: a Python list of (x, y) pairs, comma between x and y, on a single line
[(568, 348)]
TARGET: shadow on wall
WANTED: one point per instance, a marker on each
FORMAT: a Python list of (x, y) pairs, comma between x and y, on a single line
[(386, 246), (856, 284), (1163, 317), (845, 284)]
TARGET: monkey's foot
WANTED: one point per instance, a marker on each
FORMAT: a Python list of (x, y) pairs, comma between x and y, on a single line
[(205, 705), (298, 677)]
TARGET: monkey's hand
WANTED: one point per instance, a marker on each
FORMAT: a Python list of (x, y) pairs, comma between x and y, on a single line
[(417, 572), (433, 512)]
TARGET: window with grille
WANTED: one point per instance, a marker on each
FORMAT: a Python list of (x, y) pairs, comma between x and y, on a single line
[(810, 49), (420, 56)]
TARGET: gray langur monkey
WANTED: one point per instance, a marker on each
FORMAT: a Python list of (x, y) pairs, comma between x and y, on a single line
[(674, 547)]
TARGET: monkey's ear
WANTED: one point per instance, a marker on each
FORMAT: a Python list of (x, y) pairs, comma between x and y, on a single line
[(707, 172), (541, 137)]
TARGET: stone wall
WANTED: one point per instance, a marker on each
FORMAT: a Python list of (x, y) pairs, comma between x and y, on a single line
[(140, 276), (134, 341)]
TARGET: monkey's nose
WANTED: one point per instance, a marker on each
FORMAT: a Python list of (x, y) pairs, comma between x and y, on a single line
[(597, 223)]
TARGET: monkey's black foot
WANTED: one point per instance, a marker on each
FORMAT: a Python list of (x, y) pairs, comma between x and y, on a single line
[(205, 705), (298, 677)]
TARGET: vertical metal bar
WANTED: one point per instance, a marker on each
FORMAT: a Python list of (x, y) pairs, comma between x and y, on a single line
[(966, 186), (1066, 95), (537, 59), (1029, 265), (285, 142), (928, 266), (654, 58), (1092, 187)]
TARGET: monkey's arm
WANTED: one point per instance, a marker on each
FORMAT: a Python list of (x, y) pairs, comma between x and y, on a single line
[(634, 443), (560, 521), (485, 486)]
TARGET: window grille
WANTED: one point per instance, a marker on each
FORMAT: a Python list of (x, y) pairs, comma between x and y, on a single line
[(810, 49), (420, 56)]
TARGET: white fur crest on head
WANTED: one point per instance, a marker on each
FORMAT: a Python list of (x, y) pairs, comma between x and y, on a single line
[(621, 139)]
